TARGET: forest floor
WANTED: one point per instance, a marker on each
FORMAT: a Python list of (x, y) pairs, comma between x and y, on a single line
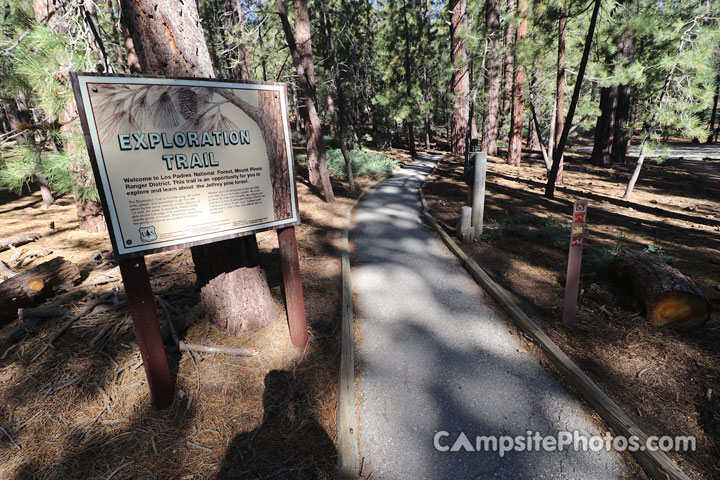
[(666, 380), (82, 409)]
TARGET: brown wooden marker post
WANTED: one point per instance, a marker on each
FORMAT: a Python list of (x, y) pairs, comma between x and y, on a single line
[(294, 302), (147, 330), (572, 281)]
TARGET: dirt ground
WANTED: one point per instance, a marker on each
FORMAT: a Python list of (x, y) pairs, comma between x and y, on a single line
[(666, 380), (82, 409)]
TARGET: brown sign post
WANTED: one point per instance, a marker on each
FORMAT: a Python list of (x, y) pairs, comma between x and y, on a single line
[(181, 162), (572, 281)]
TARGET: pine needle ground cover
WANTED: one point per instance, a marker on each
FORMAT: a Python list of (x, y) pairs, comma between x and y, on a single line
[(666, 380), (82, 409)]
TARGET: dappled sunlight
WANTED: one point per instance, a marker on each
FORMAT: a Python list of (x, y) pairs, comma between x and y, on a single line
[(432, 356)]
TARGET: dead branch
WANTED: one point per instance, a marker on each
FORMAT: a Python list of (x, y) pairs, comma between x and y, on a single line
[(191, 347), (88, 308), (6, 271), (12, 440), (119, 468), (31, 319), (6, 243), (32, 256)]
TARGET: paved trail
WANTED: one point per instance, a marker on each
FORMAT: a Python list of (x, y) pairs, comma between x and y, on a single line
[(434, 357)]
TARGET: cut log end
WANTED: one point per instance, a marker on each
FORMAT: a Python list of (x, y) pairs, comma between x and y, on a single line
[(682, 310), (670, 298), (35, 285)]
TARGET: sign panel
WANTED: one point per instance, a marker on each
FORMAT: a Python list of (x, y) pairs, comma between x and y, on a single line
[(182, 162)]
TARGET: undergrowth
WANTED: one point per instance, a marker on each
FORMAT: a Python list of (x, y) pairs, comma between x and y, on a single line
[(363, 163)]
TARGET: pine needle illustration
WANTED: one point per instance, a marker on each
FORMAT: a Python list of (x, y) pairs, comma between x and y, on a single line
[(166, 116)]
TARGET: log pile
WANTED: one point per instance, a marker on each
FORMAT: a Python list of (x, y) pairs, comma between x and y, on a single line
[(669, 297)]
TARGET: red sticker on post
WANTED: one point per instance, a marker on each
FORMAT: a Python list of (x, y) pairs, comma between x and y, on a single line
[(576, 241), (579, 218)]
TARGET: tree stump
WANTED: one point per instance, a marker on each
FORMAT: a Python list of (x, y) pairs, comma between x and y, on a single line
[(239, 300), (233, 288), (90, 216), (34, 286), (670, 298)]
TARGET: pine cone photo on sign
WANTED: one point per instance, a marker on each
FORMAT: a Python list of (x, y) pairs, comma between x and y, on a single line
[(188, 104)]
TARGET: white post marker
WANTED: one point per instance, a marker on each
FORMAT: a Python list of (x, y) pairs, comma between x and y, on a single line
[(478, 202)]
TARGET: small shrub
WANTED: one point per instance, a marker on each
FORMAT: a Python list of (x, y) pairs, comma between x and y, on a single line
[(363, 163), (556, 231), (660, 252)]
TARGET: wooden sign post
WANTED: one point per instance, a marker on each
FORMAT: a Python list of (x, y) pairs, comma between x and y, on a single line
[(184, 162), (572, 281)]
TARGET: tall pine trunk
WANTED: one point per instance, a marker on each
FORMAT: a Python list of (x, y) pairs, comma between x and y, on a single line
[(241, 69), (622, 137), (516, 121), (557, 155), (427, 120), (342, 106), (408, 83), (711, 138), (508, 67), (460, 81), (560, 93), (492, 78), (301, 50), (169, 41), (605, 128)]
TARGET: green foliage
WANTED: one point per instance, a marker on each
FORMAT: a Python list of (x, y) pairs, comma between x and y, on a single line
[(660, 252), (362, 162), (38, 71), (546, 229), (20, 167)]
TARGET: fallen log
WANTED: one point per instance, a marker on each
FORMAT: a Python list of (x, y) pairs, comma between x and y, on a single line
[(34, 286), (669, 297), (5, 243)]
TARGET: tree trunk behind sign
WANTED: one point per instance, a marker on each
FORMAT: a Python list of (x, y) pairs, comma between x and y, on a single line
[(169, 40)]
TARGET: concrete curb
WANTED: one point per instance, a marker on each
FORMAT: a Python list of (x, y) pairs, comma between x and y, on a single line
[(346, 417)]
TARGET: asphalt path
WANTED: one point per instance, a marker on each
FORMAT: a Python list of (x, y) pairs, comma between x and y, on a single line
[(434, 356)]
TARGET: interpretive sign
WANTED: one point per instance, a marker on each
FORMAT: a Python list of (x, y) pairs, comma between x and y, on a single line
[(185, 162), (182, 162)]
